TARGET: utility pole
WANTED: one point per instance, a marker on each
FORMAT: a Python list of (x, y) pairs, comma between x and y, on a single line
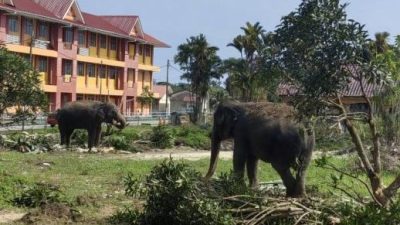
[(167, 91), (32, 42)]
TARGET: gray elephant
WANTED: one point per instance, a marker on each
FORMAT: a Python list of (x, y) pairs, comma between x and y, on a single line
[(87, 115), (263, 131)]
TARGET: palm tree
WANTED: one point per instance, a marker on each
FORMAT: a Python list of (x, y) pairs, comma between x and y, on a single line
[(200, 64), (381, 42), (245, 72)]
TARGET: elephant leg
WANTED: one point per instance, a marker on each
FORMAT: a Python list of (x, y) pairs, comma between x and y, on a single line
[(288, 180), (239, 160), (68, 134), (98, 135), (91, 138), (252, 163), (62, 137)]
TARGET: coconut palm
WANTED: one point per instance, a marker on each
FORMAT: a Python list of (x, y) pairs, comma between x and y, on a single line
[(200, 64)]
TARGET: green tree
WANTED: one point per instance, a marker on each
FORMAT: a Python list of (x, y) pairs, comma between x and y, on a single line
[(19, 85), (320, 51), (201, 65), (146, 98), (251, 76)]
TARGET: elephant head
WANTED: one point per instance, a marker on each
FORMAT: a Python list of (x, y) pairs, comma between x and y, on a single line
[(108, 113), (225, 119)]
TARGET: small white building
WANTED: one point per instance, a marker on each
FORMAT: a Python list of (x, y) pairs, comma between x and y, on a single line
[(160, 104)]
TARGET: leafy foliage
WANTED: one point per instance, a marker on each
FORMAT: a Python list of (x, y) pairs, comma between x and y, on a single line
[(20, 84), (37, 195), (193, 136), (369, 214), (172, 195), (251, 77), (200, 64), (162, 137), (26, 142), (316, 44)]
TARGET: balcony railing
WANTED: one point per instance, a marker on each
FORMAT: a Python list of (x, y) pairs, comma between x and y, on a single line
[(67, 78), (13, 39), (41, 44), (83, 51)]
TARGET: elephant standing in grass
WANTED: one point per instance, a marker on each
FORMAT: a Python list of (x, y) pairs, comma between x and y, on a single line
[(87, 115), (263, 131)]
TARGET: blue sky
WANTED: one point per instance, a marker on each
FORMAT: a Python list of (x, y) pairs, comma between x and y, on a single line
[(173, 21)]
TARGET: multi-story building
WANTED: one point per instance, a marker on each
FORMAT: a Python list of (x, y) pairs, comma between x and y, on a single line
[(80, 55)]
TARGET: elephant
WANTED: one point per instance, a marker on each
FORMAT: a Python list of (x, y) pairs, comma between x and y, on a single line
[(265, 131), (87, 115)]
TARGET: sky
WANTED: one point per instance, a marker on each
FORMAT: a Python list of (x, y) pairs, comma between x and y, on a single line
[(173, 21)]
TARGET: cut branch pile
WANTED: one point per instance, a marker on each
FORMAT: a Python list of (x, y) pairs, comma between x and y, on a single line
[(260, 210)]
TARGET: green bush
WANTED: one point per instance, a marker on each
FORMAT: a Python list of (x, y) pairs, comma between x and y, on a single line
[(162, 137), (10, 186), (37, 195), (118, 142), (193, 136), (27, 142), (351, 214), (79, 138), (174, 194)]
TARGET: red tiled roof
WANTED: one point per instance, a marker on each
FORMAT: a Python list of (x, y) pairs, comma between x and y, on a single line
[(148, 38), (98, 23), (162, 89), (353, 89), (56, 9), (28, 6), (124, 23)]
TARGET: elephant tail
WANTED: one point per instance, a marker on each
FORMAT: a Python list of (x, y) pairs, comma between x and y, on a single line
[(304, 160)]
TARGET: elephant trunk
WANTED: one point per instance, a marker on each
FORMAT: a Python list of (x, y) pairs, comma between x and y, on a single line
[(120, 122), (215, 145)]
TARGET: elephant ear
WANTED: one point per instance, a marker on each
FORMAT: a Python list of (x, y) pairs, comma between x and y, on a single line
[(100, 113), (227, 114)]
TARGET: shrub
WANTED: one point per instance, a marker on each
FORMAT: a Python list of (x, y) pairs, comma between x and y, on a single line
[(79, 138), (194, 136), (162, 137), (118, 142), (37, 195), (351, 214), (125, 217), (27, 142), (10, 185), (174, 194)]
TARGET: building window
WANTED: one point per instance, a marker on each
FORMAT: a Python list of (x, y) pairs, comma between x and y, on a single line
[(28, 26), (131, 49), (102, 72), (91, 71), (67, 67), (140, 49), (82, 38), (42, 64), (81, 69), (112, 73), (68, 35), (131, 77), (43, 32), (148, 50), (93, 40), (13, 24), (103, 41), (113, 44)]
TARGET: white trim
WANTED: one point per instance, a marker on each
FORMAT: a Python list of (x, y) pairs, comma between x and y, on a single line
[(140, 27), (76, 9), (9, 2), (69, 8)]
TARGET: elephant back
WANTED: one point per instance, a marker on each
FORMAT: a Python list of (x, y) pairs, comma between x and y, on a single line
[(279, 111)]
